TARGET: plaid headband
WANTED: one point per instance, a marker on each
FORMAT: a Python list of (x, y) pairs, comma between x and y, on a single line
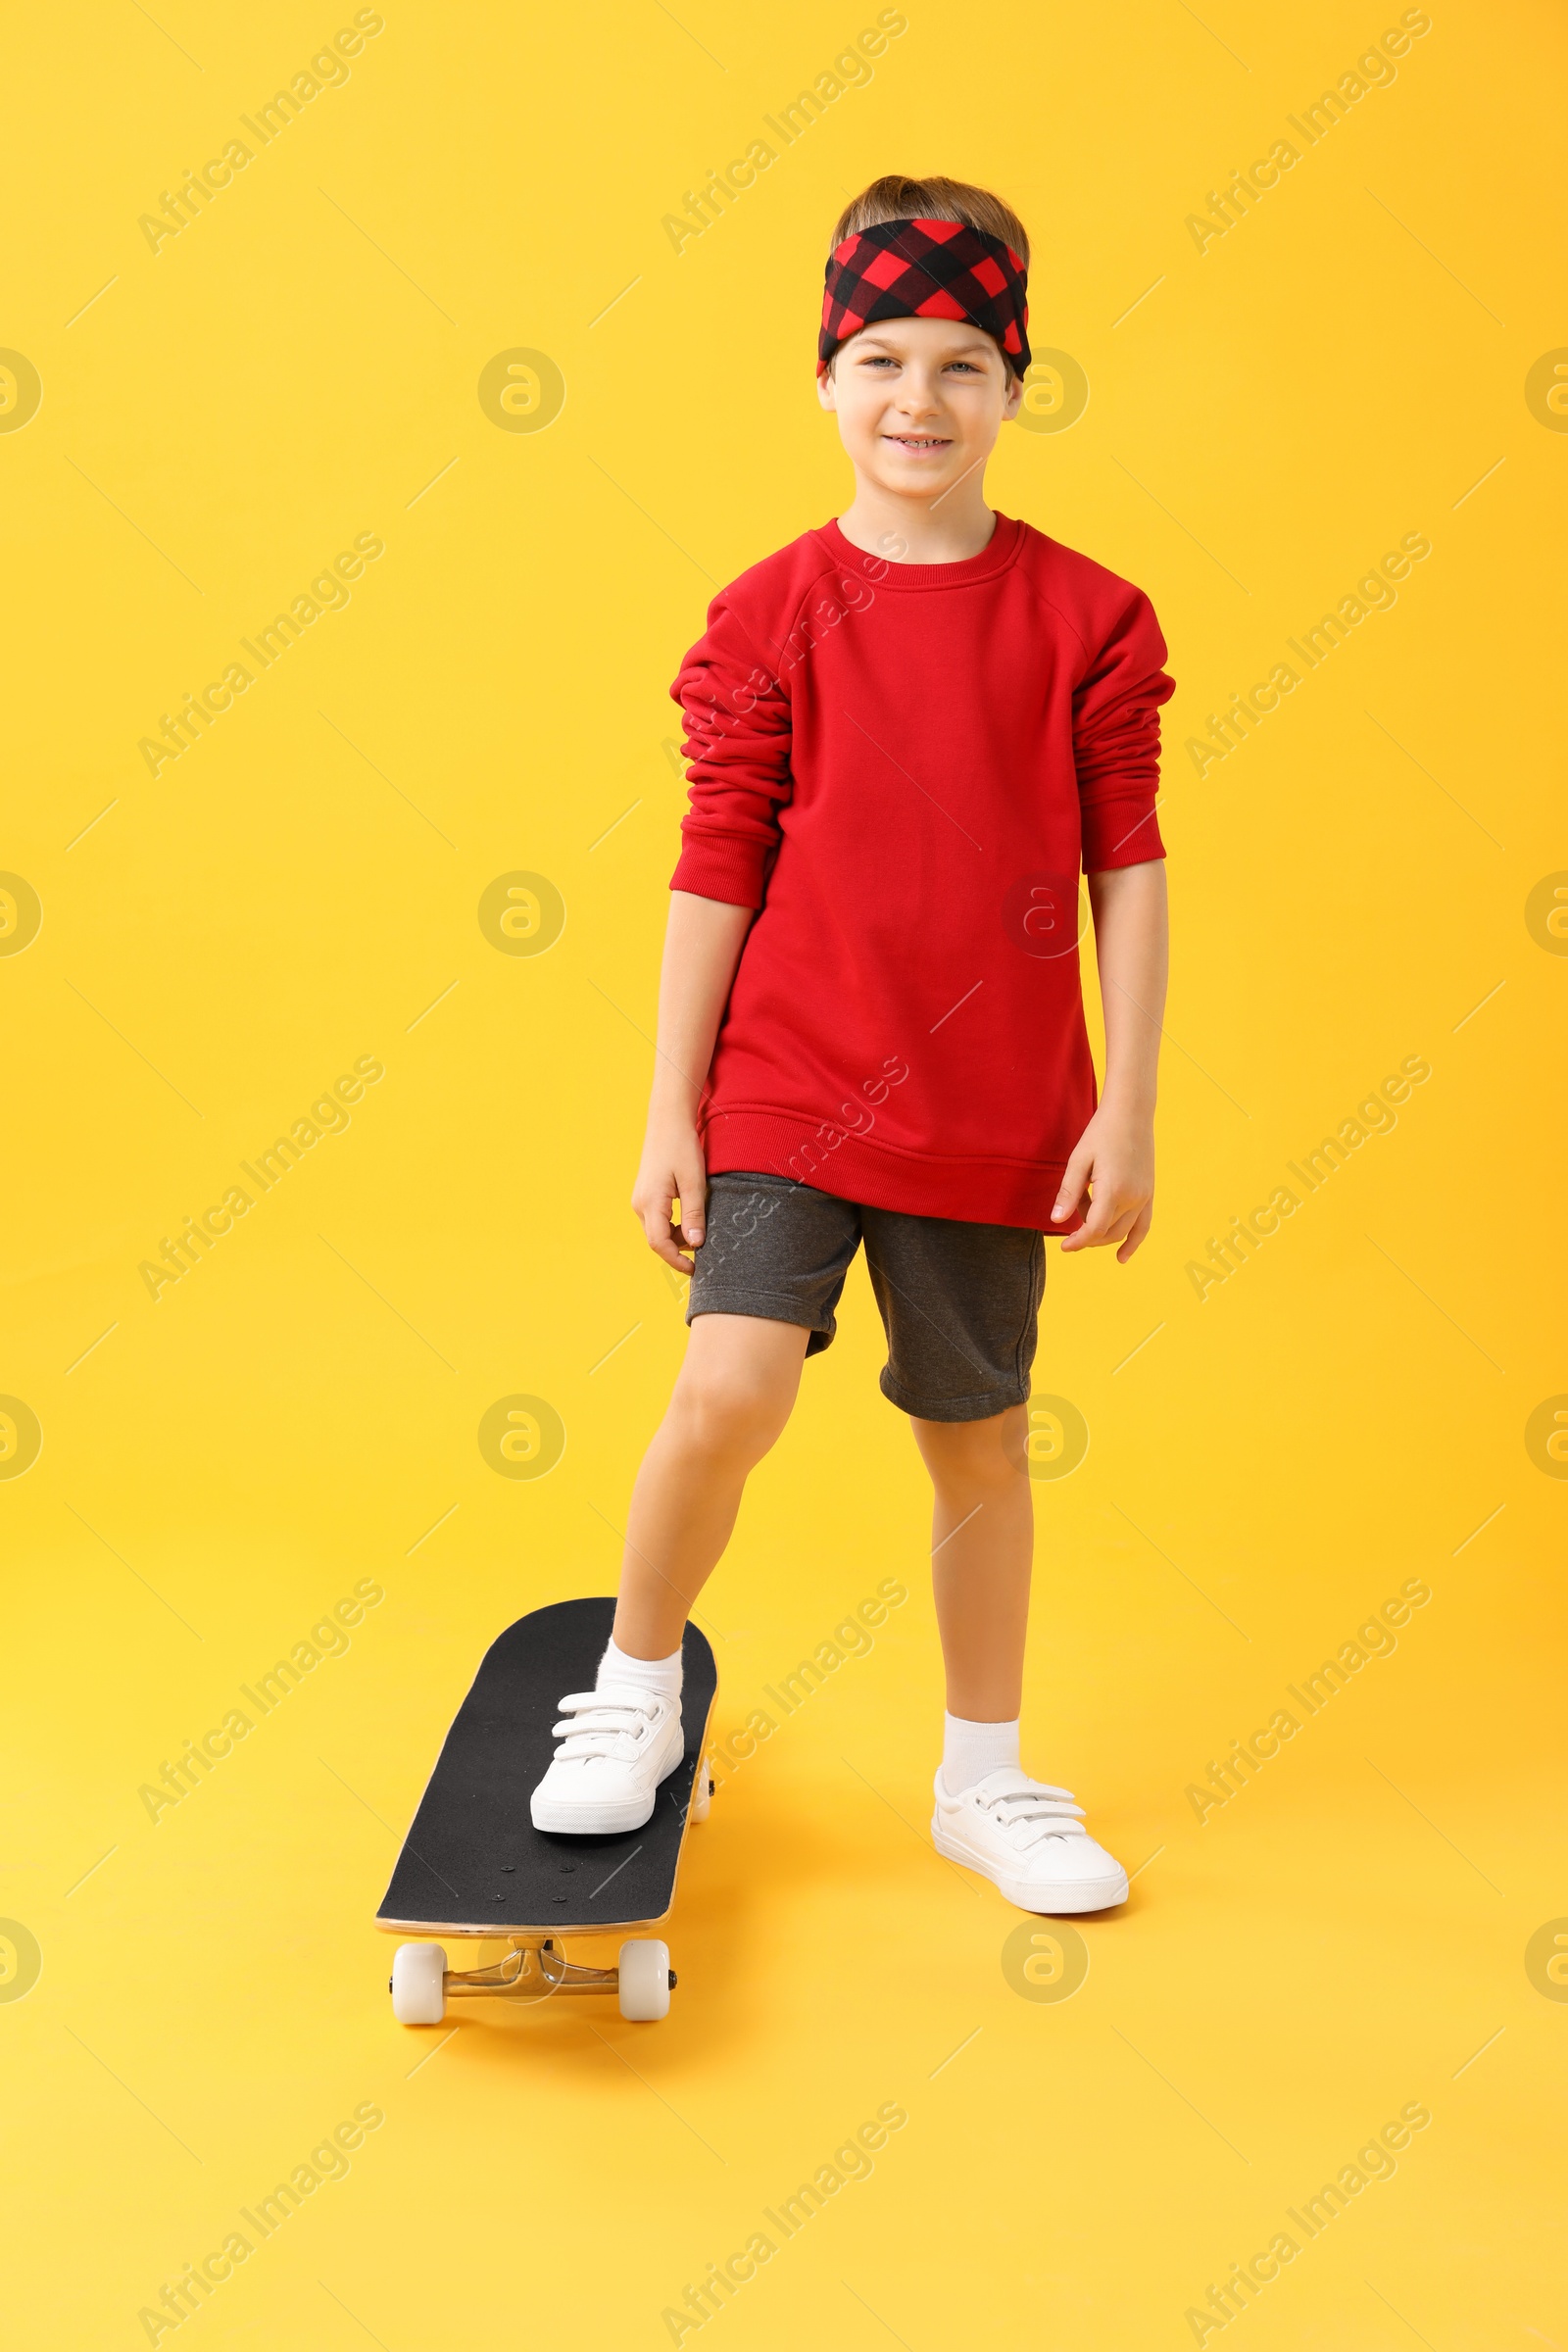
[(925, 270)]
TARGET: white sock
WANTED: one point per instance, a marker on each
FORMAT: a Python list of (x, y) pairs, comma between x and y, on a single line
[(643, 1673), (969, 1750)]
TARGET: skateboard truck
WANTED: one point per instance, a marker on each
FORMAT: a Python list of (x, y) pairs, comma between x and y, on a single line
[(534, 1969)]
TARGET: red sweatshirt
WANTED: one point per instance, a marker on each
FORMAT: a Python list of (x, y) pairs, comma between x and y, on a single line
[(903, 767)]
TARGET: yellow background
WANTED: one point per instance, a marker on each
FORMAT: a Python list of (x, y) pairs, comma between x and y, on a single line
[(218, 419)]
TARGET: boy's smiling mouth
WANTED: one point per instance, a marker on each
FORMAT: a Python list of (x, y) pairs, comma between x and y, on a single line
[(917, 443)]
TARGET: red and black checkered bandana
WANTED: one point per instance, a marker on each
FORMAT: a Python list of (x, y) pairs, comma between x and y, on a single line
[(926, 270)]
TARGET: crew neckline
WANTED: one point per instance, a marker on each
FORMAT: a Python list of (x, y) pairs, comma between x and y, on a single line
[(1000, 550)]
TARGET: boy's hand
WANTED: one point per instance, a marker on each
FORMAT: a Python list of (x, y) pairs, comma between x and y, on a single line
[(671, 1169), (1115, 1154)]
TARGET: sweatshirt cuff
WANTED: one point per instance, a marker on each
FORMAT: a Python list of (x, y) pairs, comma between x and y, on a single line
[(1120, 833), (725, 869)]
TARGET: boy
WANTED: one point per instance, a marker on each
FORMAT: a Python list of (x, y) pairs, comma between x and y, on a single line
[(907, 731)]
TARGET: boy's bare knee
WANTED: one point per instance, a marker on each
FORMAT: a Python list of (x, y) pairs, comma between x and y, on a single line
[(976, 1454), (735, 1391), (726, 1417)]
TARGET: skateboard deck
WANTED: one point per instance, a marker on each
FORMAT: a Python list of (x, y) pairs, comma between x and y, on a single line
[(473, 1863)]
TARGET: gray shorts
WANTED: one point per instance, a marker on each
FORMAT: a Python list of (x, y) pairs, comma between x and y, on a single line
[(959, 1303)]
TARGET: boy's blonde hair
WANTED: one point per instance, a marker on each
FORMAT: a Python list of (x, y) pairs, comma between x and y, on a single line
[(897, 197)]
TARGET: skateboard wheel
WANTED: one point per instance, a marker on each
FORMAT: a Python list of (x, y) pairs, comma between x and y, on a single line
[(645, 1978), (701, 1791), (418, 1990)]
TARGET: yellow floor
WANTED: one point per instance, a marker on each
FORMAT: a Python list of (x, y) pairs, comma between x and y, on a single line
[(1341, 1943), (1333, 2011)]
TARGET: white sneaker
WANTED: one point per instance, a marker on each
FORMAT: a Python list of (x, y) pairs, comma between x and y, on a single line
[(616, 1746), (1029, 1840)]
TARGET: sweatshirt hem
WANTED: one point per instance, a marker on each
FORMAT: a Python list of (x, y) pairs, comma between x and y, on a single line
[(769, 1141)]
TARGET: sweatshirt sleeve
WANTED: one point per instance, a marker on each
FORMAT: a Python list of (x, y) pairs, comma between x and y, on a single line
[(738, 734), (1117, 740)]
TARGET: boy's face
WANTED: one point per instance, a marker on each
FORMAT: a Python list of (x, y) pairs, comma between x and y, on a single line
[(920, 403)]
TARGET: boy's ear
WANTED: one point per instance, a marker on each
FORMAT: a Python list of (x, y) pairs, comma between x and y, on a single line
[(1014, 399), (825, 390)]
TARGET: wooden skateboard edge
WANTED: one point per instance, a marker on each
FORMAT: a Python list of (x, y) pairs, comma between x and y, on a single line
[(428, 1929)]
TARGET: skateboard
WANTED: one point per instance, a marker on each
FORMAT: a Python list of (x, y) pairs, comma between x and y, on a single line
[(473, 1865)]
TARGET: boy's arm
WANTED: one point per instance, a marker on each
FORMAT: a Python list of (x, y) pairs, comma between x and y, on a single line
[(1116, 1149), (703, 944)]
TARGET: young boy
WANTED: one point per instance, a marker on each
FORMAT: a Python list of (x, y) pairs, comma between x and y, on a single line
[(907, 731)]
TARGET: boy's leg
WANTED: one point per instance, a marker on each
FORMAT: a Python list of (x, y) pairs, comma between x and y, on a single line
[(982, 1545), (961, 1303), (763, 1287), (1025, 1835), (732, 1397)]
